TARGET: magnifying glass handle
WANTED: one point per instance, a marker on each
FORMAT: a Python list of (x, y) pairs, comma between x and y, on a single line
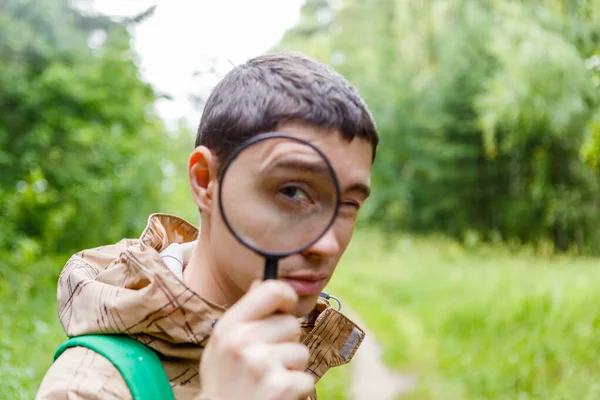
[(271, 268), (271, 264)]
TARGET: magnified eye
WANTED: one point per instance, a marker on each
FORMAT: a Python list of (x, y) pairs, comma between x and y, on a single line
[(295, 194)]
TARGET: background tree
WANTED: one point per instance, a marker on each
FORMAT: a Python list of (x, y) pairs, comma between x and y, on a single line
[(485, 110), (82, 151)]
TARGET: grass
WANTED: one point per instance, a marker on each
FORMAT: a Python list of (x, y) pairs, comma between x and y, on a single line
[(477, 324), (30, 328), (334, 385), (485, 323)]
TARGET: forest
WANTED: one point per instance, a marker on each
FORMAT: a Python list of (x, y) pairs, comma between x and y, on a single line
[(482, 226)]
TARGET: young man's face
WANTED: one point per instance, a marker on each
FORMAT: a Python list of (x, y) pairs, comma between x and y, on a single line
[(311, 270)]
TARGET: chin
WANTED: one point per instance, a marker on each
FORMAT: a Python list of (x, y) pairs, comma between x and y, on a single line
[(305, 305)]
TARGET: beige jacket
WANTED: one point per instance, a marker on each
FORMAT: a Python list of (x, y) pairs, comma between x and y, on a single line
[(127, 288)]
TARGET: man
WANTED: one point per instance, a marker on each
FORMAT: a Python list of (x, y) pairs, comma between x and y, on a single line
[(220, 332)]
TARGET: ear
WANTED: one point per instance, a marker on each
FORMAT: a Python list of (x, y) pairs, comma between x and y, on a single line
[(202, 169)]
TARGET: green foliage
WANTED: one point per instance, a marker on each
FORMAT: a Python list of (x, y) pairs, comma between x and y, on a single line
[(80, 144), (491, 323), (487, 110), (334, 385), (31, 330)]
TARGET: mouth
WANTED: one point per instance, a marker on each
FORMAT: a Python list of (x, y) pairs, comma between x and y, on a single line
[(306, 284)]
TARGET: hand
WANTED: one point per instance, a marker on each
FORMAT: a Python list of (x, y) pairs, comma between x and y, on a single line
[(254, 353)]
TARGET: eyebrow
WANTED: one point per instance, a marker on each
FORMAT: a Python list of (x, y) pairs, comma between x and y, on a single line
[(305, 166), (361, 188)]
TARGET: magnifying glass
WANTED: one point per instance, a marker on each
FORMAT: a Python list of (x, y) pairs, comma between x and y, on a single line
[(278, 195)]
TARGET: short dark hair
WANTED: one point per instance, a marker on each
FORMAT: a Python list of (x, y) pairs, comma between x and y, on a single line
[(264, 92)]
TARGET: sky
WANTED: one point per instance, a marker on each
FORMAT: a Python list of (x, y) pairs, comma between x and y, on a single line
[(186, 36)]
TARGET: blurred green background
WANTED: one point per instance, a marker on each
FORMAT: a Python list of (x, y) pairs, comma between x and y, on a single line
[(475, 261)]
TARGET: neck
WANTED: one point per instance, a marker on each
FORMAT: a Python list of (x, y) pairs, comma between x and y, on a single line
[(202, 276)]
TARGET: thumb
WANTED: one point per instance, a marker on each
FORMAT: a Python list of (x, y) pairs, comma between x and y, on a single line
[(254, 284)]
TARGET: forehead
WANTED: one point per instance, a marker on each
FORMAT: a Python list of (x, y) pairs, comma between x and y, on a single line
[(351, 160)]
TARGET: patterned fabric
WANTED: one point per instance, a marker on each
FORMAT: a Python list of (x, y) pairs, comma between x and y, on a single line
[(127, 288)]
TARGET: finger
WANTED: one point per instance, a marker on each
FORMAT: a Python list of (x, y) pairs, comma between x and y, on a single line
[(293, 356), (275, 328), (265, 299), (255, 284), (304, 384), (290, 385)]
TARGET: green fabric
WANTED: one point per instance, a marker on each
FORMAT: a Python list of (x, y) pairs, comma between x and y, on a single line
[(139, 365)]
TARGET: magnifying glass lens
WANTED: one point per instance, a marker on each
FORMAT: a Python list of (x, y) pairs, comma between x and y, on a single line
[(278, 195)]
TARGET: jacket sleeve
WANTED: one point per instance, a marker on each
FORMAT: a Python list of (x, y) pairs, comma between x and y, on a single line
[(82, 374)]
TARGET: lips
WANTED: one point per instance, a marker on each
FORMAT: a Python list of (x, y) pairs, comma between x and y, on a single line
[(306, 285)]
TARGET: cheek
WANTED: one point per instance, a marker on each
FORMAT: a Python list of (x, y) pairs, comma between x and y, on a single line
[(344, 228), (234, 261)]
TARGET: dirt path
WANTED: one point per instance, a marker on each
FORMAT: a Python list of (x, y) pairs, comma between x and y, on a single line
[(371, 379)]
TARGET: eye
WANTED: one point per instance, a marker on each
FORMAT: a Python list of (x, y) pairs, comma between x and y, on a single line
[(350, 205), (349, 209), (294, 193)]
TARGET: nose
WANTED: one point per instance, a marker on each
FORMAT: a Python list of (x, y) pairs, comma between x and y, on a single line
[(327, 245)]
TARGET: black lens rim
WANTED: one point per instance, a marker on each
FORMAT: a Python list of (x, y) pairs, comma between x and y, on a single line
[(233, 156)]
